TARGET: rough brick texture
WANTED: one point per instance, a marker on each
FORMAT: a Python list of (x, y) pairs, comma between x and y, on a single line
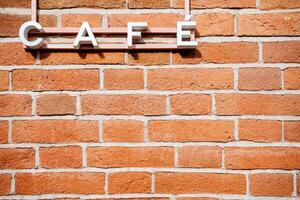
[(218, 122)]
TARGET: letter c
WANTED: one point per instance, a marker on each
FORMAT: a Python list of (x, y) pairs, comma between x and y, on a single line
[(23, 34)]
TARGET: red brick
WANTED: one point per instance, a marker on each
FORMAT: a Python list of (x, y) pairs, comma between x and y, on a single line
[(281, 52), (279, 4), (5, 184), (84, 57), (259, 79), (76, 20), (149, 58), (3, 132), (202, 157), (108, 157), (257, 104), (228, 52), (149, 4), (15, 105), (123, 79), (133, 104), (292, 131), (260, 130), (12, 53), (55, 131), (61, 157), (190, 79), (269, 24), (56, 104), (4, 80), (191, 104), (298, 185), (195, 198), (184, 183), (65, 79), (13, 3), (150, 198), (217, 3), (46, 4), (292, 78), (262, 158), (271, 184), (17, 158), (210, 24), (123, 131), (190, 131), (129, 182), (11, 23), (59, 183)]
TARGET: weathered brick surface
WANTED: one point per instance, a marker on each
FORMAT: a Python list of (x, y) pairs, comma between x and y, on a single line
[(292, 78), (4, 80), (281, 52), (17, 158), (3, 132), (76, 20), (15, 105), (278, 4), (217, 3), (292, 131), (5, 184)]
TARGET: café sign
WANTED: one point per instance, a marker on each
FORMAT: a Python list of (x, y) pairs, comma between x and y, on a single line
[(32, 35)]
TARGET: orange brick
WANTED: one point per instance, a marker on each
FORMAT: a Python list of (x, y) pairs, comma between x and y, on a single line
[(12, 53), (150, 198), (148, 4), (56, 104), (3, 132), (66, 79), (195, 198), (123, 79), (85, 57), (123, 131), (298, 185), (210, 24), (55, 4), (55, 131), (257, 104), (259, 79), (5, 184), (260, 130), (129, 182), (153, 19), (17, 158), (184, 183), (134, 104), (11, 23), (228, 52), (15, 105), (13, 3), (190, 131), (76, 20), (107, 157), (190, 79), (269, 24), (281, 52), (292, 78), (4, 80), (149, 58), (271, 184), (191, 104), (61, 157), (292, 131), (202, 157), (59, 183), (279, 4), (217, 3), (262, 158)]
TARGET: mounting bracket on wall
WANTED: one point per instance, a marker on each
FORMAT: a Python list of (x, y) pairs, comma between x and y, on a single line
[(86, 36)]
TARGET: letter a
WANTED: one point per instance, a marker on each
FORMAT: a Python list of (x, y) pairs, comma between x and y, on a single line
[(85, 36)]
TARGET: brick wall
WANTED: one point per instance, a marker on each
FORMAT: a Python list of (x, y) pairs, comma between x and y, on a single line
[(219, 122)]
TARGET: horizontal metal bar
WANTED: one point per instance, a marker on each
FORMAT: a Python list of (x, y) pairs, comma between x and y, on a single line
[(120, 31), (113, 47)]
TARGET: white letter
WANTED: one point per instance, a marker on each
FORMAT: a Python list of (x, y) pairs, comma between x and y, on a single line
[(132, 33), (23, 34), (183, 33), (81, 37)]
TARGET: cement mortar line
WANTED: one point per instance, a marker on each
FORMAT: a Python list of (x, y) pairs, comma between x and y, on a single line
[(27, 11), (143, 118), (153, 92), (156, 144), (152, 67)]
